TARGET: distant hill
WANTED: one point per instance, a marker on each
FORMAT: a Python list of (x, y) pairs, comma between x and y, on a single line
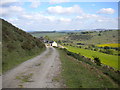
[(96, 37), (18, 45), (37, 32)]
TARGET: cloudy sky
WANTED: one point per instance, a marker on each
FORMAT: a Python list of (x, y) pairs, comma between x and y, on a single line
[(38, 15)]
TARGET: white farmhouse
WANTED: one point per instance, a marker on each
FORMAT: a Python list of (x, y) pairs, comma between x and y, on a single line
[(54, 44)]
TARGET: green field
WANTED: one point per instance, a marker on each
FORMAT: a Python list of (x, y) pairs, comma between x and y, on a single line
[(52, 36), (81, 75), (106, 59), (109, 45)]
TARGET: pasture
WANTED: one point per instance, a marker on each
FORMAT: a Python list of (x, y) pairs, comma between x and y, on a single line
[(110, 45), (80, 75), (110, 60), (52, 36)]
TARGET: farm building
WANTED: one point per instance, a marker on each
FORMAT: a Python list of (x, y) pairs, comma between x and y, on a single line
[(53, 43)]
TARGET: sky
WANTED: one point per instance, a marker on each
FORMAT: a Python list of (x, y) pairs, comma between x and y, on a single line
[(56, 15)]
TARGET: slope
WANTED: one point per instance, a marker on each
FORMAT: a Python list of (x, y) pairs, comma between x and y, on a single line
[(18, 46), (78, 74)]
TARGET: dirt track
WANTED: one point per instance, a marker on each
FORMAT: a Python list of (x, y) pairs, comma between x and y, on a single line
[(40, 72)]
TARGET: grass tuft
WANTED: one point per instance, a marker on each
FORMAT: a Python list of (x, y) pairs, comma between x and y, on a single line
[(25, 78)]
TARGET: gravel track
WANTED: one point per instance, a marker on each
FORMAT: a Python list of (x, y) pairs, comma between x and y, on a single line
[(40, 72)]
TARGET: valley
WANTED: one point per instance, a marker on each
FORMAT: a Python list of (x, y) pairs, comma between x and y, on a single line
[(30, 62), (59, 44)]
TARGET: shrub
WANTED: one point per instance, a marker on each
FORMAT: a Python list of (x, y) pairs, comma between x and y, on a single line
[(96, 49), (109, 51), (97, 61), (99, 34), (106, 47)]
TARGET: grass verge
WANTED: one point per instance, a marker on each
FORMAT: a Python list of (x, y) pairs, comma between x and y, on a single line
[(81, 75), (15, 59)]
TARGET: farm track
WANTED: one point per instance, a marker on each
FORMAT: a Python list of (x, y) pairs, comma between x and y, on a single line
[(39, 72)]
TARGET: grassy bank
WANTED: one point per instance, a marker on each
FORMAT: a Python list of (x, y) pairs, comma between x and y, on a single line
[(14, 59), (18, 46), (0, 59), (80, 75), (110, 60)]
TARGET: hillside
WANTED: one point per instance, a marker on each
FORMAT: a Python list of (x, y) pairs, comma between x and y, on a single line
[(95, 37), (18, 46), (81, 73), (0, 48), (86, 37)]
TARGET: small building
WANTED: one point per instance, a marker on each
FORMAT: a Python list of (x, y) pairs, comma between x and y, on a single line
[(54, 44), (46, 41)]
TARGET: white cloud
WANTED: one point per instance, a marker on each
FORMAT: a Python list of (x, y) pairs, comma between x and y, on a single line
[(11, 10), (60, 19), (88, 16), (26, 16), (5, 2), (79, 17), (103, 19), (32, 16), (51, 18), (94, 18), (39, 22), (35, 3), (3, 11), (100, 20), (16, 8), (65, 19), (40, 17), (65, 10), (106, 11), (58, 1)]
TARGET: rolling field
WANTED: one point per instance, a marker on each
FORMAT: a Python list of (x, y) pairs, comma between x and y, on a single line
[(110, 45), (53, 36), (102, 37), (106, 59), (95, 37), (81, 75)]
